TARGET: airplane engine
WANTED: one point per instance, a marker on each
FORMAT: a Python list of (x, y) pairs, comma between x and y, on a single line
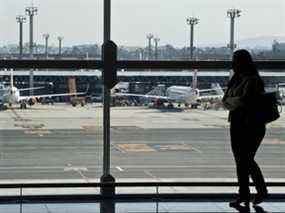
[(32, 101)]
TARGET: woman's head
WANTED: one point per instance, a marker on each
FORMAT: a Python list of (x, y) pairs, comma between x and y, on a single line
[(243, 63)]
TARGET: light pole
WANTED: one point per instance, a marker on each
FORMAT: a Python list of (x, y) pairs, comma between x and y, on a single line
[(46, 37), (191, 21), (149, 38), (232, 14), (156, 40), (31, 12), (21, 19), (60, 38)]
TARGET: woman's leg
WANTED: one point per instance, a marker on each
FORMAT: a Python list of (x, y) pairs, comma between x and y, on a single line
[(241, 155), (254, 170), (257, 178)]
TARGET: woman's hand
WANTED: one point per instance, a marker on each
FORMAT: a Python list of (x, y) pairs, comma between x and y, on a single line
[(232, 103)]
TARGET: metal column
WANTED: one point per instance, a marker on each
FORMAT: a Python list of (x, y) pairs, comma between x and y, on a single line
[(107, 177)]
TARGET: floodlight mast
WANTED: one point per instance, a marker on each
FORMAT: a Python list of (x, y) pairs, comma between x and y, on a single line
[(60, 38), (233, 14), (191, 21), (21, 19), (31, 12), (149, 38), (140, 53), (46, 37), (156, 40)]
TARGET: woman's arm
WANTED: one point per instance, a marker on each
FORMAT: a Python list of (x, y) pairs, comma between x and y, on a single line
[(232, 103), (251, 90)]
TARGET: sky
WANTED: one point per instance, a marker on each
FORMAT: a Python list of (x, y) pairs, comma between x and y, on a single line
[(81, 22)]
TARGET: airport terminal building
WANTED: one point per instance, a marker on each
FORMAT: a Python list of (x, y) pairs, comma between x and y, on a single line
[(55, 81)]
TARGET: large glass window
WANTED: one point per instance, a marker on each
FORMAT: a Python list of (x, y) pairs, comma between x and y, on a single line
[(165, 129), (51, 119), (154, 135), (162, 128)]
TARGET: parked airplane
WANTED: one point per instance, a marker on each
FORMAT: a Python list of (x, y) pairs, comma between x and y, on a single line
[(181, 94), (281, 89), (11, 95)]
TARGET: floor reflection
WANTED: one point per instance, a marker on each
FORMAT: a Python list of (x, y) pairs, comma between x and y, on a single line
[(109, 206)]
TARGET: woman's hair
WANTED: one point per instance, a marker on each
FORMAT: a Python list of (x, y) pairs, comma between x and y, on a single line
[(243, 63)]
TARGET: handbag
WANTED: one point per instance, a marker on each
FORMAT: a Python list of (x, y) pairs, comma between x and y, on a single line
[(267, 109)]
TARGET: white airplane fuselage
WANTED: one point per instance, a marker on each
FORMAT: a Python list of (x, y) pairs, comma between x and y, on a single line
[(182, 94), (11, 95)]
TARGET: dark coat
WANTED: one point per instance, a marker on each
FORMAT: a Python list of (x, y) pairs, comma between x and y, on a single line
[(241, 97)]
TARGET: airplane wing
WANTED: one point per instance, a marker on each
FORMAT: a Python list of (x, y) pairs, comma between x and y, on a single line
[(30, 88), (50, 95), (208, 90), (204, 97), (142, 95), (24, 89), (53, 95)]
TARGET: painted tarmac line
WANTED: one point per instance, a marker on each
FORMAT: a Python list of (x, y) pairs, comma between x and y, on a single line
[(151, 175), (119, 168), (197, 150), (118, 148)]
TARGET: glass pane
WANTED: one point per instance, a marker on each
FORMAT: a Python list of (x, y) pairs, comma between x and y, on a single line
[(163, 129), (52, 132)]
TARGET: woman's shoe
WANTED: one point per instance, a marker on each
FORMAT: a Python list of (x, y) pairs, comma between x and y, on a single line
[(238, 202), (259, 197)]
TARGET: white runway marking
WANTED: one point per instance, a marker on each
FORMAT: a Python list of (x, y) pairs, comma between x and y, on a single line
[(197, 150), (119, 168), (79, 170), (151, 175), (118, 148)]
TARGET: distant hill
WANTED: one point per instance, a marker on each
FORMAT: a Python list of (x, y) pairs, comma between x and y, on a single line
[(263, 42)]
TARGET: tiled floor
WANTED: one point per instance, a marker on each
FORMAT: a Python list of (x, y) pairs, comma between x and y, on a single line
[(149, 207)]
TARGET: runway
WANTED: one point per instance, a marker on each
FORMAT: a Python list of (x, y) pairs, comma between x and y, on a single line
[(65, 144)]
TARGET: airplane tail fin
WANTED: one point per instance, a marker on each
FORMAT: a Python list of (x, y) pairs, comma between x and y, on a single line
[(195, 79), (159, 90), (121, 87), (87, 89), (217, 88), (11, 79)]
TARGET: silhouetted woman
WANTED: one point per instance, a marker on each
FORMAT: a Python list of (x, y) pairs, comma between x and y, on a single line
[(246, 131)]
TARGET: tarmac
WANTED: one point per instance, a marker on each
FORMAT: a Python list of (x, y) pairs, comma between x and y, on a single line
[(64, 143)]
